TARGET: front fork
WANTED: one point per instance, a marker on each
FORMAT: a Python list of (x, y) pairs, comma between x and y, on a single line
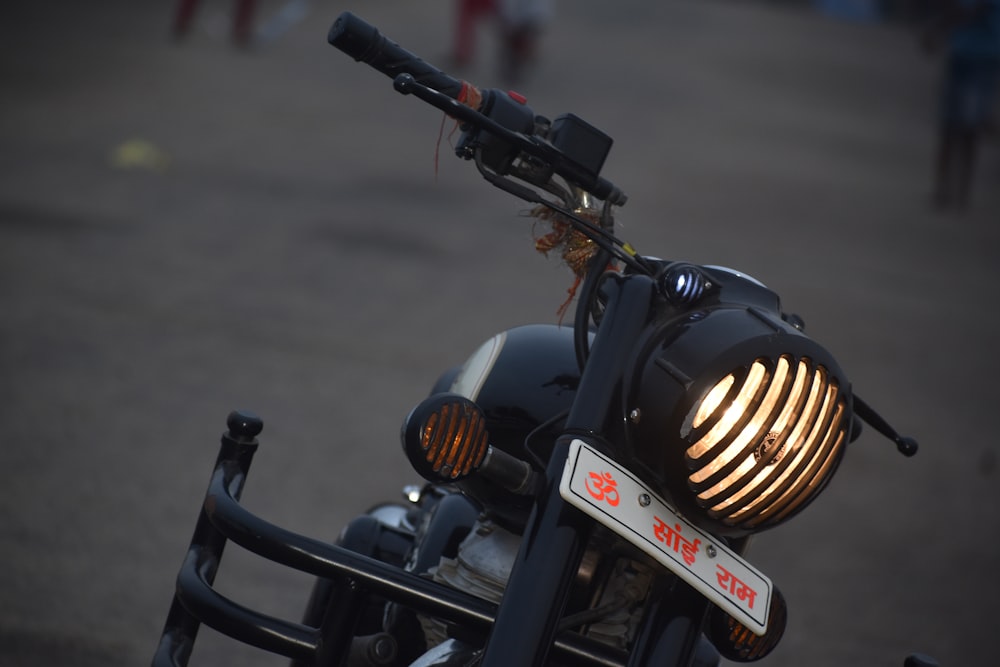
[(556, 533)]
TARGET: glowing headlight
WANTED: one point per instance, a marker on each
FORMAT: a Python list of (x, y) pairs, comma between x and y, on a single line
[(738, 416), (768, 444)]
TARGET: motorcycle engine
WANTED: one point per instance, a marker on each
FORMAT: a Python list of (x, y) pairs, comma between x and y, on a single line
[(609, 593)]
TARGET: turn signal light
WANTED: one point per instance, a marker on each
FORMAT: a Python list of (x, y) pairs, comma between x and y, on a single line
[(445, 438), (738, 643)]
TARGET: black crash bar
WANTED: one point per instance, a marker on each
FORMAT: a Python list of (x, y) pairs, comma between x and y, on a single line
[(222, 518)]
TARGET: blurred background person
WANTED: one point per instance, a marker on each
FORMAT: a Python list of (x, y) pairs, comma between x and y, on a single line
[(968, 32), (468, 15), (520, 22), (242, 20)]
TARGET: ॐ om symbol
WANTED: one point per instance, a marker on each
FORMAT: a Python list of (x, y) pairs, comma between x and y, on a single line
[(603, 487)]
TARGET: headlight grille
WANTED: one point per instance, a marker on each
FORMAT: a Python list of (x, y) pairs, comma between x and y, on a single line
[(764, 440)]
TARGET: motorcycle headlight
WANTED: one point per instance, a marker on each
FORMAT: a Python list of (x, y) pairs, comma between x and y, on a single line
[(738, 416)]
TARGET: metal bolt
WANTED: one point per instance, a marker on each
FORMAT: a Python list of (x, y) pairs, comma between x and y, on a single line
[(710, 550), (644, 500)]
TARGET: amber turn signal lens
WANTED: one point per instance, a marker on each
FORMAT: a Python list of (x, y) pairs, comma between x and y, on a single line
[(738, 643), (445, 437)]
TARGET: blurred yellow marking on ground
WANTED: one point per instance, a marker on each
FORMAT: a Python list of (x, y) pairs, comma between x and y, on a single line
[(139, 154)]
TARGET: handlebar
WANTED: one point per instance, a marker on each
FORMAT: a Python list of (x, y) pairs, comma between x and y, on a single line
[(501, 127), (363, 42)]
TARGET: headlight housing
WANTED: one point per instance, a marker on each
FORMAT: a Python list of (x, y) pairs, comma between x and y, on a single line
[(737, 416)]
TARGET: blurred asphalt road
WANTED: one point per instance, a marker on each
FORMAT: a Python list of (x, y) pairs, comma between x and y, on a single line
[(188, 228)]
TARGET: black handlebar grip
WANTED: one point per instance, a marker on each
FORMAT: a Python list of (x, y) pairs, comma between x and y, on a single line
[(363, 42)]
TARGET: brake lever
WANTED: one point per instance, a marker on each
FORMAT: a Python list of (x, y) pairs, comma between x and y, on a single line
[(407, 85), (535, 147)]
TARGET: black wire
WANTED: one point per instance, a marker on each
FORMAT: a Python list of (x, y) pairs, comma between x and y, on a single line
[(588, 293), (540, 460)]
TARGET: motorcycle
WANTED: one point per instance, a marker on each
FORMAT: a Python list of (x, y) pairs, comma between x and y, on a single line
[(590, 488)]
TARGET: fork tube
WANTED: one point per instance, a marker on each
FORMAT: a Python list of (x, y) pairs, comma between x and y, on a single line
[(556, 533), (671, 630)]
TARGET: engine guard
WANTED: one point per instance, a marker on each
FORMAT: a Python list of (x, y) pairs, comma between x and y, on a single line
[(354, 577)]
